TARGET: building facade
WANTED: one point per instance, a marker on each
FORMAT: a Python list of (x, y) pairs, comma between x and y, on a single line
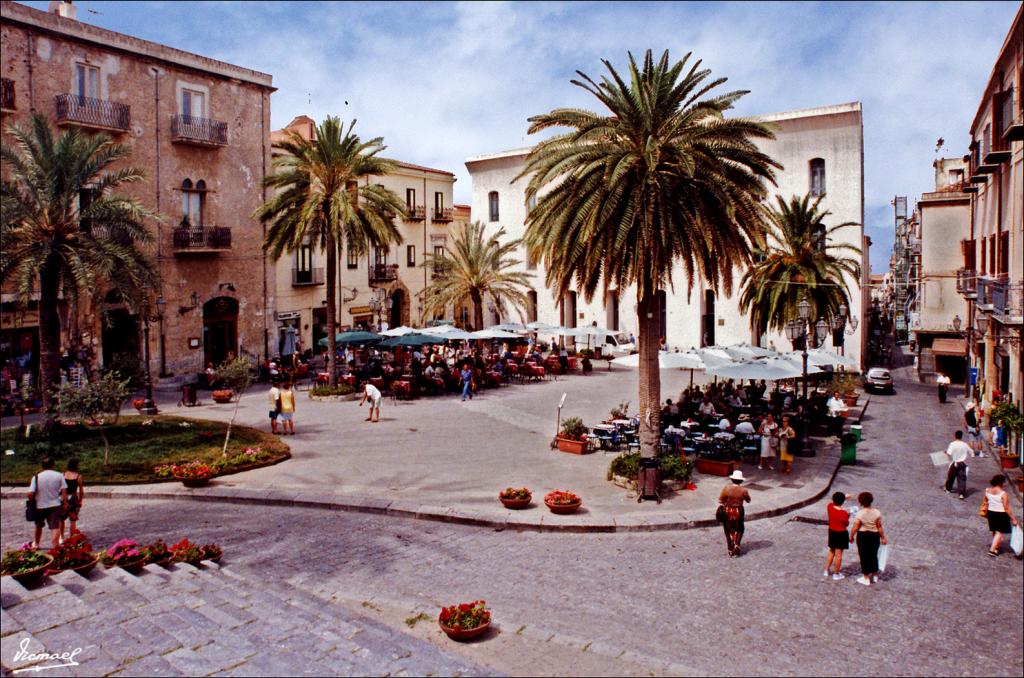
[(822, 153), (199, 129), (382, 286), (993, 253)]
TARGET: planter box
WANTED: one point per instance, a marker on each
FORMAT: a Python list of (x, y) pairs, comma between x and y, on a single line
[(1006, 461), (851, 400), (712, 467), (572, 446)]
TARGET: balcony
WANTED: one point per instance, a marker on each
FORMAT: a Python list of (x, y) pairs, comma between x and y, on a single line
[(438, 272), (203, 240), (383, 273), (986, 291), (415, 213), (1007, 302), (967, 283), (186, 129), (307, 277), (93, 113), (995, 151), (1012, 120), (6, 94), (441, 214)]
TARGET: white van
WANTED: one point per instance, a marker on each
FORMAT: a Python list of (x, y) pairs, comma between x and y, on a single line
[(617, 345)]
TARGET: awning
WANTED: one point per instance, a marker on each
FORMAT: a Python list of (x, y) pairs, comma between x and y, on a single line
[(947, 346)]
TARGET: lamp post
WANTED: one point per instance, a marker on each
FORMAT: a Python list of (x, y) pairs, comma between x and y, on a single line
[(161, 306), (380, 303), (839, 327), (799, 329), (980, 327), (148, 407)]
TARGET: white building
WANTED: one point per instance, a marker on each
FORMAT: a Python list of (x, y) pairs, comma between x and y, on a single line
[(821, 150)]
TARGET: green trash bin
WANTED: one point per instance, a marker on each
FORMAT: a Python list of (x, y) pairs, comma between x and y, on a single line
[(848, 455), (857, 431)]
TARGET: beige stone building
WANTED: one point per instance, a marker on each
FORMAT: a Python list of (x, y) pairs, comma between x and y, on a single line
[(200, 130), (993, 264), (382, 286)]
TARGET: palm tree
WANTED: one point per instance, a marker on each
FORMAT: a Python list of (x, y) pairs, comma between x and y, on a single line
[(798, 261), (477, 267), (74, 250), (320, 200), (663, 178)]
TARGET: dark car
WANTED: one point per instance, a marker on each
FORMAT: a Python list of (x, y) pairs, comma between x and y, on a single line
[(878, 379)]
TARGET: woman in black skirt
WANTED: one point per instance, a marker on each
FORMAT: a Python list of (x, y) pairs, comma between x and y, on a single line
[(869, 535), (1000, 518)]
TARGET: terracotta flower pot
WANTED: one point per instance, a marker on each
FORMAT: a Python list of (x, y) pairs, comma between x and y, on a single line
[(572, 446), (197, 481), (463, 635), (564, 508), (516, 503), (83, 569), (32, 577), (133, 566), (1007, 461), (713, 467)]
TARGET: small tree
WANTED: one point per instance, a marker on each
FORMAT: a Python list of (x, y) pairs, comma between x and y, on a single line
[(93, 400), (237, 376)]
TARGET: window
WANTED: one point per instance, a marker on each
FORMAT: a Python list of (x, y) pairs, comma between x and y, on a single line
[(438, 256), (380, 256), (817, 177), (87, 81), (1004, 252), (410, 256), (492, 202), (611, 307), (983, 250), (192, 104), (818, 237), (992, 262), (410, 198), (531, 309), (956, 176), (304, 263), (193, 203), (438, 202), (353, 259)]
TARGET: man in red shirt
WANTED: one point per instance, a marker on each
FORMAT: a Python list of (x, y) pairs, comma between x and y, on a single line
[(838, 537)]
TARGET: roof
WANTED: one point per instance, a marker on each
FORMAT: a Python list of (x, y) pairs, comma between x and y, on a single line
[(1014, 34), (111, 40)]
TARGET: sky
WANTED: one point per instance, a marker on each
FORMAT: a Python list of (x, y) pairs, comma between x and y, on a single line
[(442, 82)]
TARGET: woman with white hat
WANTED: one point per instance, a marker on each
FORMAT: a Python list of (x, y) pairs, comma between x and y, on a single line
[(730, 512)]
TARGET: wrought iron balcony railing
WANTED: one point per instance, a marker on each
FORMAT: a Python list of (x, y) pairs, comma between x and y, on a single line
[(967, 282), (441, 214), (6, 94), (308, 276), (382, 273), (202, 239), (415, 213), (186, 129), (96, 113), (1007, 302)]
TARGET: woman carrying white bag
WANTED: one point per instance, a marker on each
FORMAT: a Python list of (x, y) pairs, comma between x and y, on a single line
[(996, 507)]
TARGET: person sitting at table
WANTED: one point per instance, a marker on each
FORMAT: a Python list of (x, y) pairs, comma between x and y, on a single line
[(724, 425), (734, 400), (707, 408), (744, 426)]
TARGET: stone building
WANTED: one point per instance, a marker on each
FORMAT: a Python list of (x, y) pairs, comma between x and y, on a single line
[(199, 129), (822, 152), (993, 264), (383, 285)]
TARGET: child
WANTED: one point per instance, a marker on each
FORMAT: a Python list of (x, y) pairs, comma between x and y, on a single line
[(76, 495), (287, 410), (838, 537)]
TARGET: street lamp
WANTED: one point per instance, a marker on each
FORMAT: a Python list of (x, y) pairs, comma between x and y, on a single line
[(380, 303), (148, 407), (161, 306), (843, 323), (799, 329)]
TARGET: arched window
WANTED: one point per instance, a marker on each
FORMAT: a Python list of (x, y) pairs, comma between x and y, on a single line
[(817, 167), (492, 202), (193, 202)]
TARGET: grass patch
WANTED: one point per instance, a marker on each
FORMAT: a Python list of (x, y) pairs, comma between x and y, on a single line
[(412, 621), (135, 448)]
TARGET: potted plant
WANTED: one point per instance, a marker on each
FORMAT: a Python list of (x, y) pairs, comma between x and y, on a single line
[(515, 497), (720, 462), (560, 501), (187, 552), (1009, 460), (846, 384), (125, 554), (74, 554), (573, 436), (193, 474), (620, 411), (27, 565), (138, 403), (222, 395), (211, 552), (587, 355), (158, 553), (465, 620)]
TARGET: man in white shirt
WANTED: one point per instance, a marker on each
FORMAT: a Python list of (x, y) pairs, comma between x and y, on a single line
[(724, 425), (836, 410), (958, 451), (372, 393), (50, 492), (745, 426), (707, 408)]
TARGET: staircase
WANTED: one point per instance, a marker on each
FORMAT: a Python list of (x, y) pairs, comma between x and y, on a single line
[(184, 620)]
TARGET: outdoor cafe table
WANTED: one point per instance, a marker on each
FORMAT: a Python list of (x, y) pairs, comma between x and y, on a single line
[(349, 379)]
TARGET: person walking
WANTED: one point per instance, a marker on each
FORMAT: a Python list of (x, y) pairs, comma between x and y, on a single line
[(730, 512), (49, 490), (942, 381), (869, 535), (371, 393), (288, 410), (958, 451), (786, 433), (76, 495), (274, 400), (467, 382), (838, 537), (996, 506), (973, 429), (769, 442)]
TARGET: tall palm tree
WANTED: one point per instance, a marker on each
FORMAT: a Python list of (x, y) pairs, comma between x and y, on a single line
[(319, 200), (477, 267), (663, 178), (798, 261), (74, 250)]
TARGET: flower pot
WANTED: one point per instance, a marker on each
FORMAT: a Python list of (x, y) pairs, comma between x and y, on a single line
[(564, 508), (32, 577), (1006, 461), (851, 399), (197, 481), (714, 467), (83, 569), (1020, 484), (572, 446), (165, 561), (515, 503), (463, 635), (133, 566), (222, 399)]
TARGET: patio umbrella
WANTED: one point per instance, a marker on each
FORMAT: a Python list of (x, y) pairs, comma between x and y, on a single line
[(399, 331), (542, 328), (771, 369), (492, 333), (510, 327), (354, 338), (745, 351), (449, 333), (412, 340), (823, 358), (666, 361)]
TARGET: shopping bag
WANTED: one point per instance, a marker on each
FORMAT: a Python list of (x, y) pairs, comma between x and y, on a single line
[(883, 557), (1017, 539)]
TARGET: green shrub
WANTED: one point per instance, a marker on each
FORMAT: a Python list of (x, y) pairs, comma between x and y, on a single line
[(844, 382), (235, 375), (339, 390), (626, 465), (620, 411), (573, 429), (675, 467), (1009, 414)]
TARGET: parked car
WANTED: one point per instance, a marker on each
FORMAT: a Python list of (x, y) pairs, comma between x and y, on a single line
[(617, 345), (878, 379)]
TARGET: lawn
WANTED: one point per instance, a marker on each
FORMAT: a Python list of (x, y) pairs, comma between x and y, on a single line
[(135, 448)]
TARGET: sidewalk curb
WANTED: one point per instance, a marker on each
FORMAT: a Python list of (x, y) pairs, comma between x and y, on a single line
[(406, 509)]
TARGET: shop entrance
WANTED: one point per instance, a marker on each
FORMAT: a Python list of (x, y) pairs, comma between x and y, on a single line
[(220, 329)]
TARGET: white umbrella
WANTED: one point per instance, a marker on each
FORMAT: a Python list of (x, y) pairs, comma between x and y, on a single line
[(771, 369), (450, 332), (823, 358), (491, 333), (510, 327), (593, 331), (666, 361), (747, 352), (400, 331), (713, 355), (542, 328)]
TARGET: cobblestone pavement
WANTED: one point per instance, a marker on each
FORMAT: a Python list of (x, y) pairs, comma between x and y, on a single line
[(664, 602)]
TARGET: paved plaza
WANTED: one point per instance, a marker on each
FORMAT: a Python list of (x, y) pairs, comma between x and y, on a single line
[(667, 602)]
